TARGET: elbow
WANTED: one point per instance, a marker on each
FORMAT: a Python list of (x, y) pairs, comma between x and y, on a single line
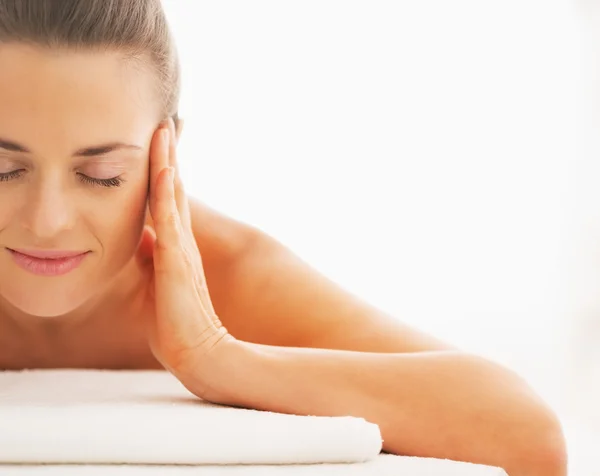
[(527, 433), (540, 450)]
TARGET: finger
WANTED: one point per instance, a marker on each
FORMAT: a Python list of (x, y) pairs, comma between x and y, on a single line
[(172, 236), (159, 160), (186, 220), (177, 227), (180, 195), (187, 319), (171, 255)]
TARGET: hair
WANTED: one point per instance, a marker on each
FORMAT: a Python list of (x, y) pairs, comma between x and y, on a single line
[(137, 28)]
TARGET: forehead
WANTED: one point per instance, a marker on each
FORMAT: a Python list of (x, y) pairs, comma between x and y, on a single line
[(51, 95)]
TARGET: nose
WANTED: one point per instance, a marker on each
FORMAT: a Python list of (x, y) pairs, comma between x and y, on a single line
[(49, 211)]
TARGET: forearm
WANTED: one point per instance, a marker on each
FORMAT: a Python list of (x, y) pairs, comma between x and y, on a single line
[(436, 404)]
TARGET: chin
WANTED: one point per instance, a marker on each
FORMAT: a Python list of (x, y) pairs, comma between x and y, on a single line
[(44, 309), (43, 302), (47, 311)]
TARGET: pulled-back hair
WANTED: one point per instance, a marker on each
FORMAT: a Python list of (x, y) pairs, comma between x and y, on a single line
[(137, 28)]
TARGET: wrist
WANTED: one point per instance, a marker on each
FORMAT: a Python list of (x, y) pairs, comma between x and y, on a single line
[(243, 372), (224, 375)]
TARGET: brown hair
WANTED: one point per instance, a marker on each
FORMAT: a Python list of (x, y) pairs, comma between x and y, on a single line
[(138, 28)]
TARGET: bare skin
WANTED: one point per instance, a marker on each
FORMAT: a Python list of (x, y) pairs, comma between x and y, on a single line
[(109, 334), (108, 337), (295, 325), (90, 317)]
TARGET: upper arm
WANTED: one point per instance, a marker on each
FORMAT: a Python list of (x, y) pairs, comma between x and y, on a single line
[(221, 239), (264, 293), (223, 242)]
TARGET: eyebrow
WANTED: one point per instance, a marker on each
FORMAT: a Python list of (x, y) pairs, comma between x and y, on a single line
[(92, 151)]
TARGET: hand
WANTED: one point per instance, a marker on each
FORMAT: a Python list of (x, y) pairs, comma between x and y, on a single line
[(184, 332)]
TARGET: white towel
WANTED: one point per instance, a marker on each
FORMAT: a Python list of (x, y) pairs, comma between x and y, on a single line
[(148, 417), (383, 465), (71, 416)]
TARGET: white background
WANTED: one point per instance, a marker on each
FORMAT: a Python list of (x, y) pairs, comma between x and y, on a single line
[(427, 155)]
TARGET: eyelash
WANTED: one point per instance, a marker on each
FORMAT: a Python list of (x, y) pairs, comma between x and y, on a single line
[(109, 183)]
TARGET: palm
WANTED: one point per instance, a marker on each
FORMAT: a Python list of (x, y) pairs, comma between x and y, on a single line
[(172, 342)]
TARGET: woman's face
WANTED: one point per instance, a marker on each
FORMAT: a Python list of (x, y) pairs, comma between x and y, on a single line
[(75, 133)]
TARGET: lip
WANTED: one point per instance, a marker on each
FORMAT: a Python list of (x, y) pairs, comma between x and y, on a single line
[(48, 254), (51, 262)]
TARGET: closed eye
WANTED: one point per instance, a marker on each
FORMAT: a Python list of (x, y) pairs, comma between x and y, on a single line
[(109, 182), (11, 175)]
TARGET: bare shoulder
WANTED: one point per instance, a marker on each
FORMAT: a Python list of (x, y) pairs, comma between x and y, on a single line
[(224, 243), (264, 293), (220, 238)]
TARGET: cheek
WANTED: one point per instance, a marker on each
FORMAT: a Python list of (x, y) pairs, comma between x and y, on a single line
[(4, 214), (9, 204), (123, 223)]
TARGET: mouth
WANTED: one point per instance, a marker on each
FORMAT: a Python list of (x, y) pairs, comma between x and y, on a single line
[(48, 262), (48, 254)]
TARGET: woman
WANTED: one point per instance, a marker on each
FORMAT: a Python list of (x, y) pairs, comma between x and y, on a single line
[(105, 263)]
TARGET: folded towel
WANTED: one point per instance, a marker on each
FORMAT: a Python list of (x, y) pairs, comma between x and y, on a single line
[(85, 416), (383, 465), (101, 419)]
